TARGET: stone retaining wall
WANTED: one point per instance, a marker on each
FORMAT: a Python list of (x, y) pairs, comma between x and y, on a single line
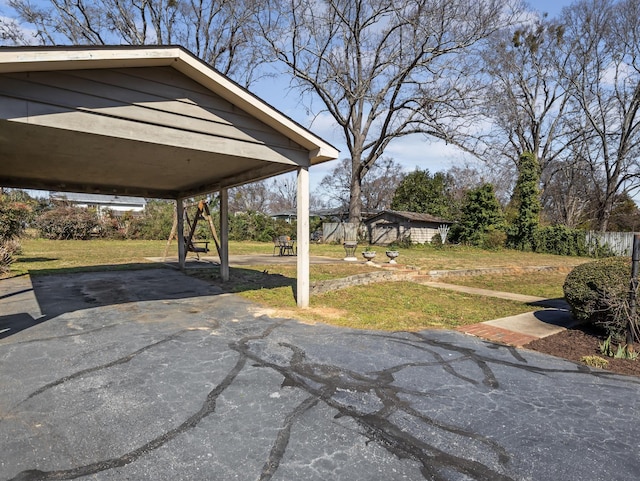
[(320, 287), (435, 275)]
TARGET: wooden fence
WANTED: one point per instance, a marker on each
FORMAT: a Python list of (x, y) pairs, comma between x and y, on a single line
[(339, 232), (620, 243)]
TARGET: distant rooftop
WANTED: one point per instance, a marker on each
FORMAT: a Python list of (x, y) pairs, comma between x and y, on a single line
[(98, 199)]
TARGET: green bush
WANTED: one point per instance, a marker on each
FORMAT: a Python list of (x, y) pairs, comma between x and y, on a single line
[(493, 238), (155, 222), (256, 226), (482, 221), (598, 292), (561, 240), (13, 218), (436, 240), (67, 222)]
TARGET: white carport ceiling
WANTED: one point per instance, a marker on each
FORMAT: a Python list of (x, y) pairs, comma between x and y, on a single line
[(141, 121)]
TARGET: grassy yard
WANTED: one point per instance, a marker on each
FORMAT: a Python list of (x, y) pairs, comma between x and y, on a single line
[(390, 306), (40, 256), (542, 284)]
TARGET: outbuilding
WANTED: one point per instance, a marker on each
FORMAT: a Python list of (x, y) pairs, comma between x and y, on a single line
[(398, 226)]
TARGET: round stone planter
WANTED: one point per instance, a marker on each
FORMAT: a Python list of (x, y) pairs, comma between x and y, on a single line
[(369, 255), (392, 256)]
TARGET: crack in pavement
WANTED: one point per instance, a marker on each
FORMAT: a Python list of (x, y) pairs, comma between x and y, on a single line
[(371, 399), (282, 439), (207, 408), (324, 381), (485, 361)]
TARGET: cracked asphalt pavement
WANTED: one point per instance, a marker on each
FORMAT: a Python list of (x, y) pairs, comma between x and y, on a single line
[(155, 375)]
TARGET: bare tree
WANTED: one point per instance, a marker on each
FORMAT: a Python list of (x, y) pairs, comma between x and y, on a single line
[(603, 75), (221, 32), (567, 193), (525, 101), (377, 187), (383, 70), (11, 33), (467, 177), (249, 197), (282, 193)]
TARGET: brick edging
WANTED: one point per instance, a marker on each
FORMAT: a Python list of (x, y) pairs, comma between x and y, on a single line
[(497, 334)]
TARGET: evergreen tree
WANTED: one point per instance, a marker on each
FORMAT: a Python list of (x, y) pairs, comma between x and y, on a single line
[(482, 222), (526, 200), (424, 193)]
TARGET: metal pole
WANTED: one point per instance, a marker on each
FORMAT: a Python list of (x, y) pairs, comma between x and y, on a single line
[(635, 258)]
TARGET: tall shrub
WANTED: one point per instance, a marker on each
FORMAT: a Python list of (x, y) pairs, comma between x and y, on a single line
[(526, 200), (155, 222), (13, 218), (257, 226), (482, 222), (561, 240)]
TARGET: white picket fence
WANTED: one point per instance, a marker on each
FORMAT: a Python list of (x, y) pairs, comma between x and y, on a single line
[(620, 243)]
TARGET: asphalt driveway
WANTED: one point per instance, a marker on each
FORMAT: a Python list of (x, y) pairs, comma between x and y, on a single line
[(154, 375)]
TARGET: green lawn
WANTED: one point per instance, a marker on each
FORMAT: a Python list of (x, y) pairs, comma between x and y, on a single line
[(390, 306), (542, 284), (40, 256)]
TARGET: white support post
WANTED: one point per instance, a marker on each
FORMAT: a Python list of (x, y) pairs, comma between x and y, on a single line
[(224, 234), (303, 237), (182, 248)]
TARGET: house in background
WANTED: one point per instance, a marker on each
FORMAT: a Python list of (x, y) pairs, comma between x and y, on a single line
[(118, 204), (393, 226), (288, 216)]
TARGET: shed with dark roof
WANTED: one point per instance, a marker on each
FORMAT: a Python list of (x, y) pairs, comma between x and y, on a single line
[(396, 226)]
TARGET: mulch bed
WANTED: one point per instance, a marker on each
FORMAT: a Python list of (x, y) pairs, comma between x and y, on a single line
[(573, 344)]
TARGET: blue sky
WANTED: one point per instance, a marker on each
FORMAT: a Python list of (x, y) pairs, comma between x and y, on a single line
[(411, 152)]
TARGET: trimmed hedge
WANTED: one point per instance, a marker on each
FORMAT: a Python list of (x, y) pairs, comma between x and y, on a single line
[(561, 240), (598, 292)]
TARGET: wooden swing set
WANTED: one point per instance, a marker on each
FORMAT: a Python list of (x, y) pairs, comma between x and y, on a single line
[(195, 246)]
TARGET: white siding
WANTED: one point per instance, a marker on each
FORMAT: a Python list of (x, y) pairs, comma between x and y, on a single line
[(422, 235)]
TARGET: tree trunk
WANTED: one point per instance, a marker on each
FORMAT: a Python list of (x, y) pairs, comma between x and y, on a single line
[(604, 213), (355, 203)]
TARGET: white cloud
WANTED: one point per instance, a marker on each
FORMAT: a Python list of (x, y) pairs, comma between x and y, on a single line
[(27, 35)]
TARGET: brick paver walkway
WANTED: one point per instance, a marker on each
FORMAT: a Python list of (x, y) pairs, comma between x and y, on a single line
[(497, 334)]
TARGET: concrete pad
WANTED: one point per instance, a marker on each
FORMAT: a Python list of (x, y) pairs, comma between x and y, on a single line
[(155, 375), (538, 324), (241, 260), (483, 292)]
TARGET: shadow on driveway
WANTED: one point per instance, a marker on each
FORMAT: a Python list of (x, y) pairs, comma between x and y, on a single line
[(29, 301)]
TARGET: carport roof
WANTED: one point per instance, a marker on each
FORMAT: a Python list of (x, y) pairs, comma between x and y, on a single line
[(142, 121)]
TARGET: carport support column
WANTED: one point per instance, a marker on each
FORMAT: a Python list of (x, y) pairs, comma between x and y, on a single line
[(182, 249), (303, 237), (224, 234)]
